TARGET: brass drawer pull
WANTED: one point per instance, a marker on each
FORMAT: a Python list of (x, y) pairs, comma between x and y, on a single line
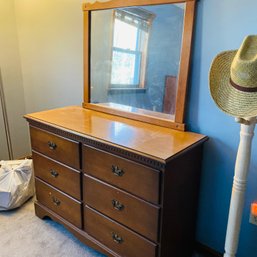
[(117, 205), (54, 173), (116, 238), (51, 145), (56, 201), (117, 171)]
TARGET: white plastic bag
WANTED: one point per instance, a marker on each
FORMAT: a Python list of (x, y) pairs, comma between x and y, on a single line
[(16, 183)]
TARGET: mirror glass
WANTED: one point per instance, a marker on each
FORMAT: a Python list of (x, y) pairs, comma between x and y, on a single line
[(135, 57)]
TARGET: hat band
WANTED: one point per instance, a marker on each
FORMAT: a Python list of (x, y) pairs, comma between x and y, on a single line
[(243, 89)]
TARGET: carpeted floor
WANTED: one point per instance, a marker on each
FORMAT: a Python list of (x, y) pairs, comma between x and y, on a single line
[(22, 234)]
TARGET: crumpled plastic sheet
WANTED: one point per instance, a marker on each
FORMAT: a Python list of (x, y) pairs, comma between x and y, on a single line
[(16, 183)]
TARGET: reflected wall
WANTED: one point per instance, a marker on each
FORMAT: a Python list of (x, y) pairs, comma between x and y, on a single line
[(156, 59)]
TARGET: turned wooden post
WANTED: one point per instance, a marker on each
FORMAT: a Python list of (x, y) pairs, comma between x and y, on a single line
[(239, 186)]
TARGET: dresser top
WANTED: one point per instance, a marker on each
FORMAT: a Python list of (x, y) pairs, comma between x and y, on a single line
[(150, 140)]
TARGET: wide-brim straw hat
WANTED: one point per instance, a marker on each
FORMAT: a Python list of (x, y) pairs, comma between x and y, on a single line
[(233, 80)]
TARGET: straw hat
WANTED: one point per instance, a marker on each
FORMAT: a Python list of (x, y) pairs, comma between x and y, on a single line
[(233, 79)]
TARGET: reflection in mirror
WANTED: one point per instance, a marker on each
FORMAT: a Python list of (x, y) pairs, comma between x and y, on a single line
[(135, 56)]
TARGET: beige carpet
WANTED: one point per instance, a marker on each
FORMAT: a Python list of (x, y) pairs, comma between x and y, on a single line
[(22, 234)]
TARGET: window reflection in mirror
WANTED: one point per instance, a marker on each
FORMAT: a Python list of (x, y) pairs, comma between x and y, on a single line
[(129, 48), (135, 56)]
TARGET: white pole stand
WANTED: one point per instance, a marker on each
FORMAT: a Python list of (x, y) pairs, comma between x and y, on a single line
[(239, 185)]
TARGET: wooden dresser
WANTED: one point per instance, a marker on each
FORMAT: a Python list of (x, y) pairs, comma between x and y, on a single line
[(123, 187)]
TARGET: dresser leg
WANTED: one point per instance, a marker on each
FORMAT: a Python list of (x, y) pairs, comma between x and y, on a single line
[(41, 213)]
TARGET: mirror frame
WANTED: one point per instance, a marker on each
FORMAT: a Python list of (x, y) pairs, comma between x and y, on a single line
[(141, 115)]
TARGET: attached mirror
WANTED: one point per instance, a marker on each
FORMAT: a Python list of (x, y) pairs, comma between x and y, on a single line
[(136, 60)]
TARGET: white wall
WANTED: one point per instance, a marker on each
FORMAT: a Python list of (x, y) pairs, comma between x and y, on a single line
[(41, 58), (12, 83), (50, 36)]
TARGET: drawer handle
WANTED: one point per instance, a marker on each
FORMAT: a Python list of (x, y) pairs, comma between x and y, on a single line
[(54, 173), (117, 171), (52, 145), (116, 238), (117, 205), (56, 201)]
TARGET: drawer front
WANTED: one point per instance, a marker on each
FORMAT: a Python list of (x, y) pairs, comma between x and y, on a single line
[(58, 175), (116, 237), (132, 212), (62, 204), (58, 148), (130, 176)]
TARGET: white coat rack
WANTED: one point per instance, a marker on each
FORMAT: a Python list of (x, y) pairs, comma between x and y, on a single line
[(239, 185)]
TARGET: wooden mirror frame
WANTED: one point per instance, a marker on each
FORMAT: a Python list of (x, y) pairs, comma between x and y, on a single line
[(144, 115)]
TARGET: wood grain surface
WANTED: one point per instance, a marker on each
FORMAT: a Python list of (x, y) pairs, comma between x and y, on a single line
[(58, 148), (104, 229), (57, 174), (57, 201), (137, 179), (145, 220), (149, 140)]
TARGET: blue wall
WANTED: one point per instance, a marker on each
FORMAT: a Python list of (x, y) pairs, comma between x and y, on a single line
[(163, 51), (220, 25)]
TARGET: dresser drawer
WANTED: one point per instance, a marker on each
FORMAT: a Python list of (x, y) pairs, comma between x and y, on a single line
[(116, 237), (127, 175), (58, 148), (60, 203), (131, 211), (58, 175)]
